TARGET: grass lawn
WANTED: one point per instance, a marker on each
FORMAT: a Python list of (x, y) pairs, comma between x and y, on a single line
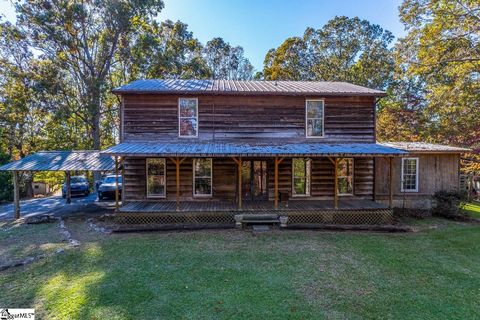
[(472, 209), (431, 274), (18, 241)]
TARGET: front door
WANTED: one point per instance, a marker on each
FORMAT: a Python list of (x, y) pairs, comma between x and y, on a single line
[(254, 180)]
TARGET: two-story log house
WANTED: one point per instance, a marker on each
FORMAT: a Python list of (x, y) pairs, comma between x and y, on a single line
[(205, 151)]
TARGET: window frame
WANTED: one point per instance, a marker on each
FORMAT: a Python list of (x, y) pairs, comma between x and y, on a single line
[(353, 177), (180, 118), (306, 119), (194, 177), (164, 175), (417, 164), (308, 181)]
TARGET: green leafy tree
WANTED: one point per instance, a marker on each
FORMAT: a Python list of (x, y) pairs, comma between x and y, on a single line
[(344, 49), (442, 48), (227, 62), (83, 39)]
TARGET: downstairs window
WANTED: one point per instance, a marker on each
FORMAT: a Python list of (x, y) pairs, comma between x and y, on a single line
[(345, 176), (202, 177), (155, 177), (410, 175), (301, 172)]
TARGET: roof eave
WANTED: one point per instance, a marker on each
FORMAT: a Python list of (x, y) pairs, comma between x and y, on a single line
[(249, 93)]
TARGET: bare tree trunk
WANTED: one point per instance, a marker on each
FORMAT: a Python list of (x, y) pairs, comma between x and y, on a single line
[(96, 105)]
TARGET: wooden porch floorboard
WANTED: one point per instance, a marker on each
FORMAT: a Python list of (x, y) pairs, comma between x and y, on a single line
[(249, 206)]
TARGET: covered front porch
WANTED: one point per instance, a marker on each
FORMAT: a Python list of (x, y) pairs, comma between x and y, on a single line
[(298, 182)]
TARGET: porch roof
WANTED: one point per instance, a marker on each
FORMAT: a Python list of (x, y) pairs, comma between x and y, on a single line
[(218, 149), (424, 147), (89, 160)]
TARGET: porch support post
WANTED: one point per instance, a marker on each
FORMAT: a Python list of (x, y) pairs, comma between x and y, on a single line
[(390, 173), (68, 193), (336, 183), (16, 196), (276, 183), (239, 179), (177, 162), (116, 183), (123, 177), (240, 182), (277, 162)]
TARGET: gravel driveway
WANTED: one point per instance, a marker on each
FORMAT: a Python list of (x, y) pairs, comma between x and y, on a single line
[(55, 205)]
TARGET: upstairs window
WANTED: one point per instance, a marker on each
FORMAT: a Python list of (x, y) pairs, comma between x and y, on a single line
[(345, 176), (188, 117), (301, 172), (314, 118), (155, 177), (202, 177), (410, 175)]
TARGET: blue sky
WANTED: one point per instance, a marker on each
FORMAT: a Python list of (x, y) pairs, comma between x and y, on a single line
[(263, 24)]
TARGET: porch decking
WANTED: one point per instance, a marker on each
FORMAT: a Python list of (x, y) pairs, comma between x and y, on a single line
[(249, 206), (207, 214)]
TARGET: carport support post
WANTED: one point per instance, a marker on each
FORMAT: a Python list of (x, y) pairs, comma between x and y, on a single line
[(16, 196), (68, 193), (116, 182)]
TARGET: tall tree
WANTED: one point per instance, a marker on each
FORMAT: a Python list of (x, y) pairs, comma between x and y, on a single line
[(442, 48), (344, 49), (227, 62), (165, 50), (83, 38)]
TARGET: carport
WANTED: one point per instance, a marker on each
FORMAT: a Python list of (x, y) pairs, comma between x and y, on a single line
[(68, 161)]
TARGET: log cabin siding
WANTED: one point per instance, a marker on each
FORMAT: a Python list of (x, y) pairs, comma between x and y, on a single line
[(436, 172), (151, 117), (225, 179)]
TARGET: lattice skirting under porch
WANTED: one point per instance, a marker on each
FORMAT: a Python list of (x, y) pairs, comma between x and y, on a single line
[(356, 217), (227, 219)]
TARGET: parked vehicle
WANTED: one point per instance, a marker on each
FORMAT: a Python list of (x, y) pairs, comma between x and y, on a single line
[(107, 187), (78, 186)]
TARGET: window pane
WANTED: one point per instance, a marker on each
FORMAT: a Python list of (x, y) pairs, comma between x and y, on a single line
[(314, 109), (345, 185), (314, 127), (156, 185), (203, 167), (188, 108), (299, 186), (188, 127), (155, 177), (203, 186)]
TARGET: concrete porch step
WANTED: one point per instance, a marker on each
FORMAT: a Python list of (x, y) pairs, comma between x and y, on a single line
[(266, 218)]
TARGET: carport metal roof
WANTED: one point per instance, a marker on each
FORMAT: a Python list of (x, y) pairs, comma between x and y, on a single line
[(88, 160)]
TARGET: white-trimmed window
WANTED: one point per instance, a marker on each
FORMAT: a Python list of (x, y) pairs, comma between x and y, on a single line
[(202, 177), (188, 117), (409, 175), (314, 118), (155, 169), (345, 176), (301, 173)]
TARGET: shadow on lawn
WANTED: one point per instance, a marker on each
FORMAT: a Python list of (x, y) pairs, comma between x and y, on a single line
[(201, 276)]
